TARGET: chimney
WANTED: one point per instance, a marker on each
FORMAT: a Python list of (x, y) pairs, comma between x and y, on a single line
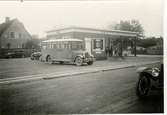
[(7, 19)]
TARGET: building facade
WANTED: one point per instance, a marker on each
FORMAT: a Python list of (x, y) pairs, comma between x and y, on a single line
[(100, 43), (13, 34)]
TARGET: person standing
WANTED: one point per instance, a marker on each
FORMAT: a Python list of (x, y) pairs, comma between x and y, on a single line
[(107, 51), (110, 51)]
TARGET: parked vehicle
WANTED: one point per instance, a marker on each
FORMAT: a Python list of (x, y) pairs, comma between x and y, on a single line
[(65, 50), (149, 79), (15, 54), (35, 55)]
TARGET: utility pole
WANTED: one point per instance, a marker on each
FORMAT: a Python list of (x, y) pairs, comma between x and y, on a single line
[(135, 53)]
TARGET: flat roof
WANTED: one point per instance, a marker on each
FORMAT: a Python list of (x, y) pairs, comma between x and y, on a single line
[(92, 30), (62, 40), (85, 28)]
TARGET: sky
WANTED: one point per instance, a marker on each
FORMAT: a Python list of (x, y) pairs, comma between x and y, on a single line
[(41, 16)]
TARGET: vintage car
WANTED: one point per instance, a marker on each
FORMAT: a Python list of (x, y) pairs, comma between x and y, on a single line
[(15, 54), (65, 50), (149, 79), (35, 55)]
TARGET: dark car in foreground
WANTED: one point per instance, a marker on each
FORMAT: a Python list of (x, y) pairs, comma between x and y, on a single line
[(149, 79), (35, 55)]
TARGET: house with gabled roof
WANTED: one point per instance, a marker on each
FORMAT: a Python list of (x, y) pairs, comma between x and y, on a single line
[(13, 34)]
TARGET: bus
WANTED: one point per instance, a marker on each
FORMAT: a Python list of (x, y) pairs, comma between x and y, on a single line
[(65, 50)]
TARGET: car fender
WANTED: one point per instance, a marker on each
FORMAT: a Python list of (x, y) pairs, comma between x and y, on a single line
[(149, 75), (78, 56), (141, 69)]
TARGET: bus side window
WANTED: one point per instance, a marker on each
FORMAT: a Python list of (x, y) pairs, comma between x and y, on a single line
[(68, 46), (48, 46), (65, 46), (62, 46), (54, 46), (59, 46)]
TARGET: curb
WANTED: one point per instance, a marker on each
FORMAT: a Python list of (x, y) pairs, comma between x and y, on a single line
[(67, 74)]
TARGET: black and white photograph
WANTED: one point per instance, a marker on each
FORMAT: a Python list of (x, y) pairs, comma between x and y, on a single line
[(82, 57)]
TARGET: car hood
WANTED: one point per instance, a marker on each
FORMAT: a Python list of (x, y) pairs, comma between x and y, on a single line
[(144, 69)]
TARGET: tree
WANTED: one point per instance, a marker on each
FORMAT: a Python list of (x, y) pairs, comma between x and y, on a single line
[(33, 43), (129, 25), (150, 41)]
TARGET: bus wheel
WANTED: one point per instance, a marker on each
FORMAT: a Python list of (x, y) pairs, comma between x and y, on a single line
[(78, 61), (49, 59)]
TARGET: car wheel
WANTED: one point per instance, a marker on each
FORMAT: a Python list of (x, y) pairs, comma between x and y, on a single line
[(78, 61), (32, 58), (61, 62), (40, 58), (49, 60), (143, 87), (90, 62)]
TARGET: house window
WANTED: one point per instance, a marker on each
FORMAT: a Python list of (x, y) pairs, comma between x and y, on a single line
[(8, 45), (5, 36), (98, 44), (19, 35), (12, 34)]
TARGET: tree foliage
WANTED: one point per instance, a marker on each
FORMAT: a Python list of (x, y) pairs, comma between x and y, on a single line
[(129, 25), (151, 41), (33, 44)]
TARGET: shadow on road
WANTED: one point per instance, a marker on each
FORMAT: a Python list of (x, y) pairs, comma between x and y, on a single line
[(151, 104)]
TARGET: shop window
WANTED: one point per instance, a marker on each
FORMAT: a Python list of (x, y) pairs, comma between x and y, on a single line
[(98, 44), (12, 34)]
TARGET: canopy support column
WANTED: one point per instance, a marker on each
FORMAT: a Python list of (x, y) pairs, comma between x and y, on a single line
[(135, 53)]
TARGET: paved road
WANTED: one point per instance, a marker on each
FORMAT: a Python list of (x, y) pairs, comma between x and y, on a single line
[(23, 67), (104, 92)]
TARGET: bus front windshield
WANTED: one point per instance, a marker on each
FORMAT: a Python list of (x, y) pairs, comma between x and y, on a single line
[(76, 45)]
